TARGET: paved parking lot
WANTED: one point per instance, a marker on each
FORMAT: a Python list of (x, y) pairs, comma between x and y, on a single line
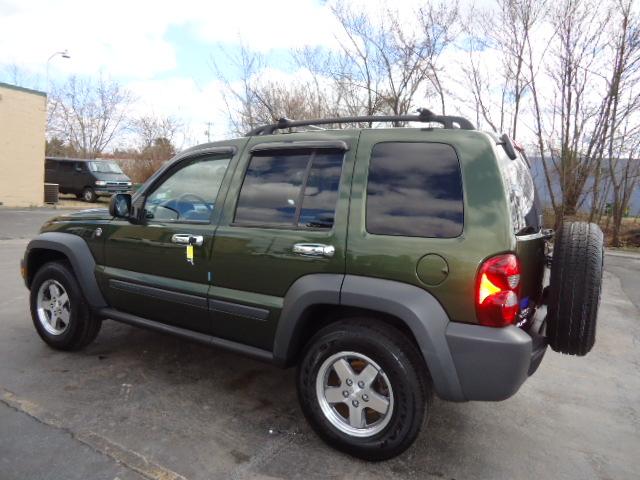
[(137, 405)]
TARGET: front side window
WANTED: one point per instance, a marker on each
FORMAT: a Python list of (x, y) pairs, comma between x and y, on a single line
[(189, 194), (291, 188), (414, 190)]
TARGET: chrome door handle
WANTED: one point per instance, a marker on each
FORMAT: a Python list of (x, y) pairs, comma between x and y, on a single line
[(314, 249), (187, 239)]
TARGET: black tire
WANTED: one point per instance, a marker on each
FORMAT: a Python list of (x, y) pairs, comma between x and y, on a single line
[(83, 326), (89, 195), (402, 364), (575, 286)]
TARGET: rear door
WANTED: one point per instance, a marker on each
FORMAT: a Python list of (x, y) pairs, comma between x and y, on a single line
[(285, 217)]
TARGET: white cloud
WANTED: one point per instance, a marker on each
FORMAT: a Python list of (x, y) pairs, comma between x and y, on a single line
[(127, 38), (181, 97), (263, 25), (122, 38)]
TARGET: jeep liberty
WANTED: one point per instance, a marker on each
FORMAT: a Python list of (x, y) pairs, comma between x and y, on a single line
[(388, 264)]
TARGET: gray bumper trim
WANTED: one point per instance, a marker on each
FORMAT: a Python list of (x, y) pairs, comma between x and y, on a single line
[(491, 363)]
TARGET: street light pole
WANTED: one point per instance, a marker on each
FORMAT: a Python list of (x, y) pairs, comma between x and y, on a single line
[(64, 54)]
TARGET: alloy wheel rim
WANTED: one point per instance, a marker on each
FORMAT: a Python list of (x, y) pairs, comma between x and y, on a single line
[(354, 394), (54, 307)]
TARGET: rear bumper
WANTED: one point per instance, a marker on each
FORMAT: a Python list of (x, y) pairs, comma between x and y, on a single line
[(492, 363)]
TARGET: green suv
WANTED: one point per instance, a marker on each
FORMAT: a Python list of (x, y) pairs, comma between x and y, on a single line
[(388, 264)]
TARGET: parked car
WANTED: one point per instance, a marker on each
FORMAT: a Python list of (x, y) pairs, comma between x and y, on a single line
[(87, 179), (388, 264)]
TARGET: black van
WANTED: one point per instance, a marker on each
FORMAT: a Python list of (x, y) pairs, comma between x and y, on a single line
[(87, 179)]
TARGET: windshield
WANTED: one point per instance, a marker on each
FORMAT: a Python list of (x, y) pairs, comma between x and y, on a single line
[(105, 167)]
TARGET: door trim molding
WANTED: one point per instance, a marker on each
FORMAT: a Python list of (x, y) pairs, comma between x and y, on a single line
[(253, 313), (160, 293), (238, 309)]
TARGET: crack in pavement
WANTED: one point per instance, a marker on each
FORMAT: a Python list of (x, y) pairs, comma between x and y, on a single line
[(130, 459)]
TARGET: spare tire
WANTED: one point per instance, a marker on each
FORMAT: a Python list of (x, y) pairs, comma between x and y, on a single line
[(576, 281)]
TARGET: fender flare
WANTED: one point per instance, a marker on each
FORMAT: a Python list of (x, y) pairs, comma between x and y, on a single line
[(417, 308), (75, 248), (304, 293)]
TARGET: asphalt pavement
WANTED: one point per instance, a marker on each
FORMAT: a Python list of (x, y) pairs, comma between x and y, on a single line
[(141, 405)]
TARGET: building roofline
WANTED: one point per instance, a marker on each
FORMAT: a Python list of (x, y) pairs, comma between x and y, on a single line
[(23, 89)]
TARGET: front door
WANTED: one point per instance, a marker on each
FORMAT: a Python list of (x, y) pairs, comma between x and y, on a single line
[(160, 268), (285, 217)]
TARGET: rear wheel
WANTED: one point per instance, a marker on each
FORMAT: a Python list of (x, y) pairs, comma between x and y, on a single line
[(575, 285), (89, 195), (362, 386), (59, 311)]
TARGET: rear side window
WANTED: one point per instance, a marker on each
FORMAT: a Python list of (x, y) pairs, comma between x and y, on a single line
[(414, 190), (522, 194), (297, 188)]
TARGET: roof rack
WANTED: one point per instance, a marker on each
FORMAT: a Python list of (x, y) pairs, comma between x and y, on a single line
[(424, 115)]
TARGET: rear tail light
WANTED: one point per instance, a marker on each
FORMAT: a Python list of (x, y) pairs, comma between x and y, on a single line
[(497, 291)]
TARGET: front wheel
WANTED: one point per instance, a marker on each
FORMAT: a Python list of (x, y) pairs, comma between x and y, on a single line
[(363, 387), (59, 311)]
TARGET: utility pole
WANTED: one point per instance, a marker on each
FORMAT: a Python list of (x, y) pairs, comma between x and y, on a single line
[(208, 131)]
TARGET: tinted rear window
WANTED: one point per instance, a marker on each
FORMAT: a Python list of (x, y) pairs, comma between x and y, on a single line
[(415, 190), (291, 188)]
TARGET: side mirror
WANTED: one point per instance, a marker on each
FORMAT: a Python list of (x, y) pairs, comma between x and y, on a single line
[(120, 205)]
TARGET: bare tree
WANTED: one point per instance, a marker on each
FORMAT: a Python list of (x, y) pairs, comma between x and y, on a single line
[(252, 100), (440, 23), (149, 128), (570, 124), (16, 75), (239, 96), (88, 114), (505, 30), (623, 135)]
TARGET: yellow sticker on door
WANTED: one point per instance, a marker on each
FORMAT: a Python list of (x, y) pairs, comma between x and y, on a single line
[(190, 254)]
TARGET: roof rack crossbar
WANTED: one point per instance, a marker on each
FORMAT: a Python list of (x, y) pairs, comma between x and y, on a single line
[(424, 115)]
